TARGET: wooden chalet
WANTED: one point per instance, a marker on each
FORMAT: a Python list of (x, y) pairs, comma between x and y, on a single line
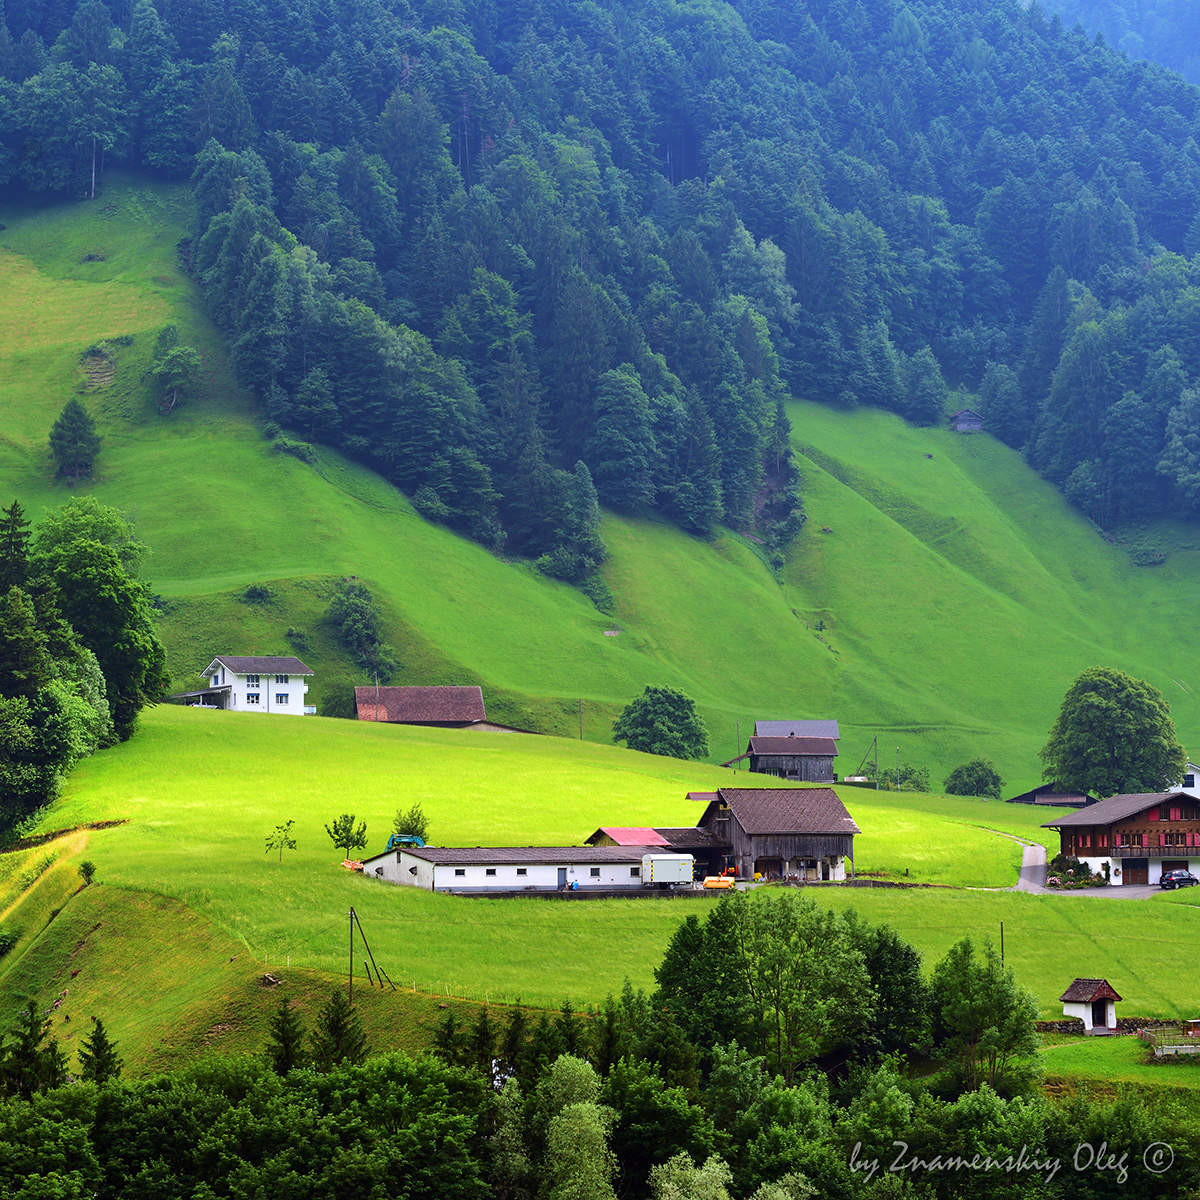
[(1137, 836), (805, 759), (966, 420), (437, 707), (802, 834)]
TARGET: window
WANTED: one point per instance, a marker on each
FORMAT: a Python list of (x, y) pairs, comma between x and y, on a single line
[(281, 697), (251, 697), (216, 680), (281, 679), (252, 681), (460, 870), (490, 871), (522, 871), (1152, 815), (1176, 814), (635, 872), (595, 872)]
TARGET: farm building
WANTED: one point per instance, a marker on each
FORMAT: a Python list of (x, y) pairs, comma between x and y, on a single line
[(523, 868), (1094, 1002), (780, 729), (803, 834), (1136, 837), (711, 856), (254, 683), (966, 420), (1054, 795), (438, 707), (807, 759)]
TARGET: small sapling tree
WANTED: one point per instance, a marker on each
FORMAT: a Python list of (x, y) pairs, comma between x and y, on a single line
[(339, 1035), (345, 835), (74, 442), (87, 871), (285, 1050), (280, 838), (412, 820)]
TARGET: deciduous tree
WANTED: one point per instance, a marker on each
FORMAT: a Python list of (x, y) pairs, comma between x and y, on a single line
[(662, 721)]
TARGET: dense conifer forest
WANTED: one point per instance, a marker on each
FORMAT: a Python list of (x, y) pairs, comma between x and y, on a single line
[(1164, 31), (531, 256)]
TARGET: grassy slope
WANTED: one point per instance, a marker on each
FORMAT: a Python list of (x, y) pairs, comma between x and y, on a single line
[(959, 595), (200, 791)]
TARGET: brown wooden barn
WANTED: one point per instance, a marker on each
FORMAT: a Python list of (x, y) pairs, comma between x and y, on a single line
[(966, 420), (450, 707), (802, 834), (805, 759)]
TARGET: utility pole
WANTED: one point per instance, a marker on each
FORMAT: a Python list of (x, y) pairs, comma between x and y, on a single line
[(351, 954), (738, 748), (897, 768), (1002, 943), (581, 718)]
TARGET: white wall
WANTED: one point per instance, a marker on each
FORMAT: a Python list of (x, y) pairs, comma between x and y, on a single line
[(294, 691), (397, 867), (1084, 1012)]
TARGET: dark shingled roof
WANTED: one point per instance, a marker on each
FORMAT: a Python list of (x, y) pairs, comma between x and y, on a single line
[(688, 837), (262, 664), (1115, 808), (1084, 991), (788, 810), (420, 705), (507, 855), (818, 746), (823, 729), (703, 797)]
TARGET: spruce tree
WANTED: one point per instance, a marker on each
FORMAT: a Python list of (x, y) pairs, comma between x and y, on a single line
[(30, 1059), (98, 1057), (14, 546), (74, 442), (286, 1047), (339, 1035)]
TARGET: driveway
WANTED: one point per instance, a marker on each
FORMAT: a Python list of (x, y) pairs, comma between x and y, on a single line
[(1033, 878)]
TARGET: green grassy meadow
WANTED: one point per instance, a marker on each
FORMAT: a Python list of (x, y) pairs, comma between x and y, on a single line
[(1115, 1060), (185, 880)]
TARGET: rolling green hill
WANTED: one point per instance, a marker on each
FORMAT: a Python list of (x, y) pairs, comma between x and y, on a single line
[(941, 595), (188, 912)]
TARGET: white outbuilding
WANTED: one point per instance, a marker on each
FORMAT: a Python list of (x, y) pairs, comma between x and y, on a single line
[(529, 868), (1094, 1002)]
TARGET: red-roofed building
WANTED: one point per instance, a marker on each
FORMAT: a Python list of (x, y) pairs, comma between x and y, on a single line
[(437, 707)]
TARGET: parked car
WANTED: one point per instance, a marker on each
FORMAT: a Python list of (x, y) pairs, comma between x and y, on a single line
[(1177, 879)]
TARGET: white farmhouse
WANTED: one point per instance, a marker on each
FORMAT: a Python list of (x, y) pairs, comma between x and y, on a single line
[(257, 683)]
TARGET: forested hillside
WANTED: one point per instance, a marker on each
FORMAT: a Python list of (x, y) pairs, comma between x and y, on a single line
[(478, 246), (1164, 31)]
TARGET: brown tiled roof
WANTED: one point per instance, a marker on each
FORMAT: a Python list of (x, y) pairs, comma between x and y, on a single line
[(262, 664), (823, 747), (505, 855), (420, 705), (705, 797), (1115, 808), (1084, 991), (788, 810), (688, 837)]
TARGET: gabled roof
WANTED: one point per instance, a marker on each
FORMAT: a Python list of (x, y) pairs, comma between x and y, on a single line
[(966, 412), (1084, 991), (822, 747), (1055, 795), (1115, 808), (704, 797), (821, 729), (420, 705), (787, 810), (630, 835), (259, 664), (460, 856)]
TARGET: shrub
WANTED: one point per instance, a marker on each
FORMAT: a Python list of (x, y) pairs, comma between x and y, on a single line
[(258, 593), (87, 871), (8, 939)]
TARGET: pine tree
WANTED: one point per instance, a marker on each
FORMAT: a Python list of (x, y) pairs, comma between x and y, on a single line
[(74, 441), (286, 1047), (339, 1035), (14, 546), (98, 1057), (31, 1061)]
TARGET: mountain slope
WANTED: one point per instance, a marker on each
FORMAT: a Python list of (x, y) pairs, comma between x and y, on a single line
[(948, 607)]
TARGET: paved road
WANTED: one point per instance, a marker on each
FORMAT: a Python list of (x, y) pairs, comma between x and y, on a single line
[(1033, 879)]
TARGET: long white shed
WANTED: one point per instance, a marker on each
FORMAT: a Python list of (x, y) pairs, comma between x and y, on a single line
[(515, 868)]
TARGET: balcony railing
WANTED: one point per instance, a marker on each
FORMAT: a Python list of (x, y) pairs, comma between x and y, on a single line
[(1146, 852)]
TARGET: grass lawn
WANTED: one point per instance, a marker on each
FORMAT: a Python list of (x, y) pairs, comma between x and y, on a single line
[(1115, 1060), (201, 790)]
